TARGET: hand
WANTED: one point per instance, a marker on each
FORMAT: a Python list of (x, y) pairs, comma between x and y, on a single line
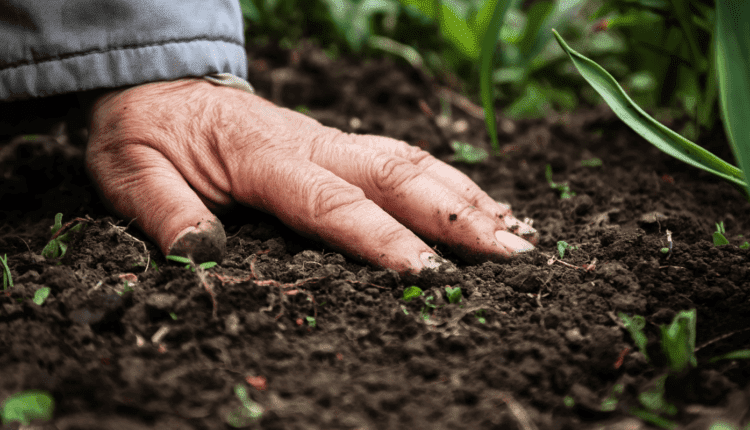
[(170, 153)]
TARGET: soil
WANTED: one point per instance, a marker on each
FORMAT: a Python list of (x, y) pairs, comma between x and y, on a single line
[(549, 352)]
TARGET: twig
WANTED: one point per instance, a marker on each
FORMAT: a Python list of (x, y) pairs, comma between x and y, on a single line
[(69, 224), (121, 230), (518, 412)]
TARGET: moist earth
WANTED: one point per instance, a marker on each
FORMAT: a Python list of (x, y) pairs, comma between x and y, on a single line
[(320, 341)]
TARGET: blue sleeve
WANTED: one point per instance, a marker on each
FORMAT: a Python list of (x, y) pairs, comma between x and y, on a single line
[(52, 47)]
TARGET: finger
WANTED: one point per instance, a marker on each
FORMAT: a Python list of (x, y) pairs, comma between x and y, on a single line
[(138, 182), (453, 179), (318, 204), (416, 199)]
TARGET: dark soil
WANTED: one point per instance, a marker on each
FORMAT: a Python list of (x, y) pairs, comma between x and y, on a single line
[(550, 333)]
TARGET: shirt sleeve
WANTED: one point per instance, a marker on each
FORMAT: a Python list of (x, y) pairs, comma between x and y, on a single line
[(54, 47)]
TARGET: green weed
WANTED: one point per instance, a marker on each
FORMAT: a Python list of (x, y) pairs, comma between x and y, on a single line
[(594, 162), (678, 346), (564, 189), (562, 246), (7, 277), (57, 247), (27, 406), (41, 295), (179, 259), (246, 414), (718, 236)]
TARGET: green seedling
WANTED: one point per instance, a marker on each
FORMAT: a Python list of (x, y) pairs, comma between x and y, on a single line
[(719, 238), (57, 247), (454, 294), (466, 153), (562, 246), (745, 245), (678, 341), (173, 315), (126, 289), (311, 321), (27, 406), (41, 295), (479, 316), (7, 278), (594, 162), (664, 250), (246, 414), (635, 326), (414, 291), (179, 259), (411, 293), (564, 189)]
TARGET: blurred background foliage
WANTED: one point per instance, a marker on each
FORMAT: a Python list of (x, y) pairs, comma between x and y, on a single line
[(660, 51)]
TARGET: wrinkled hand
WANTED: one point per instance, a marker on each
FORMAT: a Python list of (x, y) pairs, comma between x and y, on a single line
[(170, 153)]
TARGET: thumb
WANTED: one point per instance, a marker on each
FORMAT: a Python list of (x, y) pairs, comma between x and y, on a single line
[(138, 182)]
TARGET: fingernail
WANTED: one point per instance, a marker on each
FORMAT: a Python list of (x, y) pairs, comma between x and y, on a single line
[(429, 260), (205, 242), (515, 243)]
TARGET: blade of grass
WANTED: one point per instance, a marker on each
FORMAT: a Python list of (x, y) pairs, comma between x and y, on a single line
[(489, 42), (642, 123), (732, 65)]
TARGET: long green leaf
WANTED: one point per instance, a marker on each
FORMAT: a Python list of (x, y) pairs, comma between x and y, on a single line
[(489, 42), (733, 69), (642, 123)]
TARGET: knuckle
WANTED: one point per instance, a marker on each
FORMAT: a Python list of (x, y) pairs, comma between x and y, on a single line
[(331, 198), (391, 172)]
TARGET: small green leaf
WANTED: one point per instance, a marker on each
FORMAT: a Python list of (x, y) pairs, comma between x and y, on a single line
[(635, 326), (569, 402), (678, 340), (664, 250), (594, 162), (311, 321), (208, 264), (411, 293), (178, 258), (28, 406), (467, 153), (745, 245), (742, 354), (41, 295), (454, 294)]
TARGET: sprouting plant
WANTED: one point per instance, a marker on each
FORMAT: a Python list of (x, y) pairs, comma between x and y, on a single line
[(467, 153), (246, 414), (479, 316), (126, 289), (564, 189), (311, 321), (57, 247), (7, 278), (635, 326), (594, 162), (179, 259), (678, 345), (719, 238), (27, 406), (454, 294), (745, 245), (41, 295), (413, 292), (678, 341), (562, 246)]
